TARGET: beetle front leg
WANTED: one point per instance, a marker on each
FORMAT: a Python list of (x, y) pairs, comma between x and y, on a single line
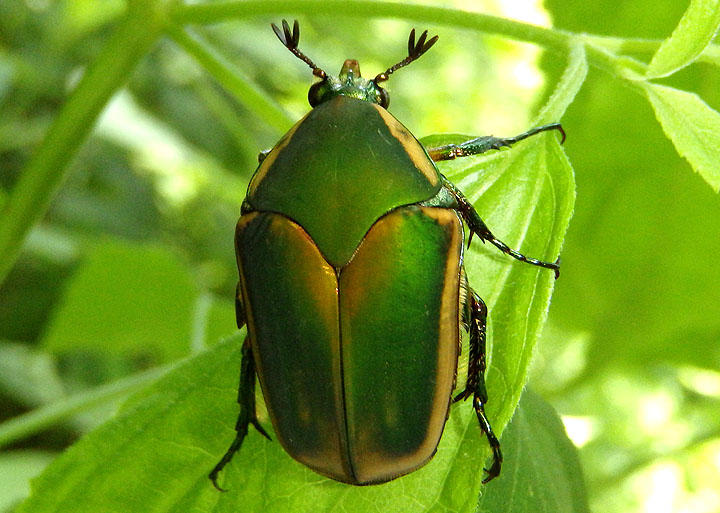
[(478, 227), (475, 384), (488, 142), (246, 399)]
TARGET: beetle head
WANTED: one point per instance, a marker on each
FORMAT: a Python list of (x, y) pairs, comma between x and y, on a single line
[(349, 82)]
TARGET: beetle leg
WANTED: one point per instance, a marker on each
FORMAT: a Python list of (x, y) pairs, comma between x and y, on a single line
[(486, 143), (239, 308), (478, 227), (247, 416), (475, 384), (247, 369)]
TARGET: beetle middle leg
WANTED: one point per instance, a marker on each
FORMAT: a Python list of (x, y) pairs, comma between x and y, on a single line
[(246, 399), (476, 315), (478, 227)]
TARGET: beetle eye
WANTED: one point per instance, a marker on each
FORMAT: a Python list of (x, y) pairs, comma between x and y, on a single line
[(384, 98), (315, 93)]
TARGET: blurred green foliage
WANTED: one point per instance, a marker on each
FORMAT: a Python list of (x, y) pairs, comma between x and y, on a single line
[(638, 303), (129, 263)]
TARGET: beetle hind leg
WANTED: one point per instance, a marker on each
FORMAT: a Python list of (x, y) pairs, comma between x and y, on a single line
[(476, 314), (247, 416)]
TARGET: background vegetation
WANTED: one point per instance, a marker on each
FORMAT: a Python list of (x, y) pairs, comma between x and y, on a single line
[(128, 132)]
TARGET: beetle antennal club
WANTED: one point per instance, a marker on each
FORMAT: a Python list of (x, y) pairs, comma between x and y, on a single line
[(415, 51), (291, 40)]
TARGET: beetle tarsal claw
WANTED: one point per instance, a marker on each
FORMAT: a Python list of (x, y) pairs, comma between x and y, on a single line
[(462, 396), (492, 472), (213, 477), (260, 429)]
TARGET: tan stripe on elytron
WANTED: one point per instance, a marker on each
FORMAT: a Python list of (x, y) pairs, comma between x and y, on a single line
[(242, 222), (413, 148), (449, 318), (448, 342), (270, 159), (280, 226)]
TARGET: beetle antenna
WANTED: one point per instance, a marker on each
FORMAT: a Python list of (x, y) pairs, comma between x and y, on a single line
[(415, 50), (291, 40)]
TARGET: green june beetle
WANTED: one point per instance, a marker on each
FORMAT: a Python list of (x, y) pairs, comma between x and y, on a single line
[(350, 253)]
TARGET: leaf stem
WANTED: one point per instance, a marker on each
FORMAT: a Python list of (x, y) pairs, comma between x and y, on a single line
[(254, 99), (567, 87), (41, 418), (222, 11), (46, 170)]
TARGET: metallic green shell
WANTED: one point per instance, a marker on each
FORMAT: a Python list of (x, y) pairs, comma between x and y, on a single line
[(339, 169), (356, 364)]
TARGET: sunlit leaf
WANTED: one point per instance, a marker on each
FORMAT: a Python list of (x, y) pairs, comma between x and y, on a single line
[(16, 470), (693, 33), (692, 126), (711, 55), (525, 195)]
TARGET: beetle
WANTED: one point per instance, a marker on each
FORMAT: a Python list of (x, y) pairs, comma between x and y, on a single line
[(350, 254)]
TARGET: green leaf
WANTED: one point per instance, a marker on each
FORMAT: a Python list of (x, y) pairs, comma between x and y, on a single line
[(220, 321), (692, 126), (526, 197), (28, 376), (16, 470), (693, 33), (541, 471), (156, 454), (711, 55), (126, 299), (43, 174)]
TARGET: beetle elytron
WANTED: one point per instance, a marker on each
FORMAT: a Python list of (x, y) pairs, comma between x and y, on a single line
[(350, 251)]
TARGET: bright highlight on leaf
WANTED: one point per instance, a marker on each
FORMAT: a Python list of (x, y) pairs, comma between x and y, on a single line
[(693, 33), (692, 126)]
